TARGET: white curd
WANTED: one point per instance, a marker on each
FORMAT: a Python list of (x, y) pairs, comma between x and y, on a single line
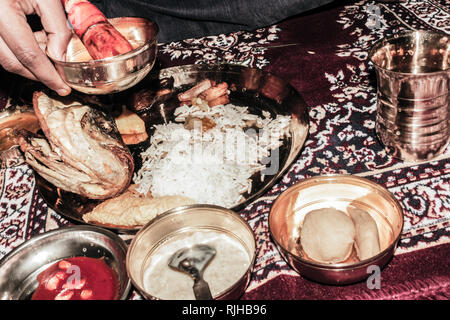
[(226, 268)]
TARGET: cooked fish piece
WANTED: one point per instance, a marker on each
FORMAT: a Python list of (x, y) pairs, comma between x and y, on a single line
[(82, 151), (131, 209)]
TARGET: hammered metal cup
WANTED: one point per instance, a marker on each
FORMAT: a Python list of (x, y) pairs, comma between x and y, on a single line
[(413, 83)]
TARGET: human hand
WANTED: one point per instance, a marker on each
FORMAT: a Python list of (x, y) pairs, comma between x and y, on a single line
[(22, 51)]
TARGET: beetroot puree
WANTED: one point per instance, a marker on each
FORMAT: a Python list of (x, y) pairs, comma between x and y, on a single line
[(78, 278)]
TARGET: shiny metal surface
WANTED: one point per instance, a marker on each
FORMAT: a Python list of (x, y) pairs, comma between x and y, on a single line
[(337, 191), (113, 74), (20, 267), (259, 90), (185, 219), (13, 119), (18, 112), (413, 81)]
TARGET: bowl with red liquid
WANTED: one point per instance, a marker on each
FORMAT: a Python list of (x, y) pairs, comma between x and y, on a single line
[(114, 73), (70, 263)]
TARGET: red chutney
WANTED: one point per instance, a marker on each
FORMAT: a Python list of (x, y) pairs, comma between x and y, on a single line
[(78, 278)]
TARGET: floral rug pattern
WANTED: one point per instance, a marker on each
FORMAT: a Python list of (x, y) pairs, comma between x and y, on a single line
[(337, 82)]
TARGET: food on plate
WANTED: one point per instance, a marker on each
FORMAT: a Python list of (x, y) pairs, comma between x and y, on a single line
[(82, 151), (195, 91), (206, 123), (77, 278), (214, 92), (131, 127), (367, 243), (129, 123), (327, 235), (100, 38), (135, 138), (131, 209), (218, 101), (206, 94), (213, 165)]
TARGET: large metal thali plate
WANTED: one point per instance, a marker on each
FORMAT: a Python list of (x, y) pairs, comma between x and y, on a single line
[(257, 89)]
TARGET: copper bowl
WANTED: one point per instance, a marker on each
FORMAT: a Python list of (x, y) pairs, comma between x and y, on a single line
[(178, 222), (116, 73), (338, 191)]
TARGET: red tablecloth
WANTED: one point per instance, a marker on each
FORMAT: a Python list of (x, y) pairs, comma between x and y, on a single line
[(323, 54)]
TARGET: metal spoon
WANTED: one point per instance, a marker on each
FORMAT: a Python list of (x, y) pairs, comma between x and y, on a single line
[(193, 261)]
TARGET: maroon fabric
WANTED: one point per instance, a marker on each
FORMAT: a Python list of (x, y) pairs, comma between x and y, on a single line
[(303, 64), (424, 274), (324, 55)]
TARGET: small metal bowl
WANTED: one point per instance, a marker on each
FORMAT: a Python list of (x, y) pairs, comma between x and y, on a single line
[(338, 191), (116, 73), (19, 268), (180, 221)]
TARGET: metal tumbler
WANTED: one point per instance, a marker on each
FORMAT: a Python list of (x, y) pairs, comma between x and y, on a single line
[(413, 116)]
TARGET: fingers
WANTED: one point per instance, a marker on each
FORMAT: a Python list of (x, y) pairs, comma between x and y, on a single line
[(10, 63), (19, 38), (55, 24), (41, 39)]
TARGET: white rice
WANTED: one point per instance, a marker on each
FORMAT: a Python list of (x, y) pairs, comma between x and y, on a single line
[(214, 166)]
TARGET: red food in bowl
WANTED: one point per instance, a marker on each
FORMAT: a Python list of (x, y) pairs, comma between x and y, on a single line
[(100, 38), (77, 278)]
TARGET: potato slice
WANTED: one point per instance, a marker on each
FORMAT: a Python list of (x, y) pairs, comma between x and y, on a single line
[(130, 123), (134, 138)]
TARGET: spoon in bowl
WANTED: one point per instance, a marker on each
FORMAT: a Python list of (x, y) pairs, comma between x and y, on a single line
[(193, 261)]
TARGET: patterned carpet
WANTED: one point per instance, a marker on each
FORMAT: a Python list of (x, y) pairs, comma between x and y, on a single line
[(323, 54)]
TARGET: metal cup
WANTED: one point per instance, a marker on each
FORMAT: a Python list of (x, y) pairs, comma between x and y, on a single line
[(413, 83)]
